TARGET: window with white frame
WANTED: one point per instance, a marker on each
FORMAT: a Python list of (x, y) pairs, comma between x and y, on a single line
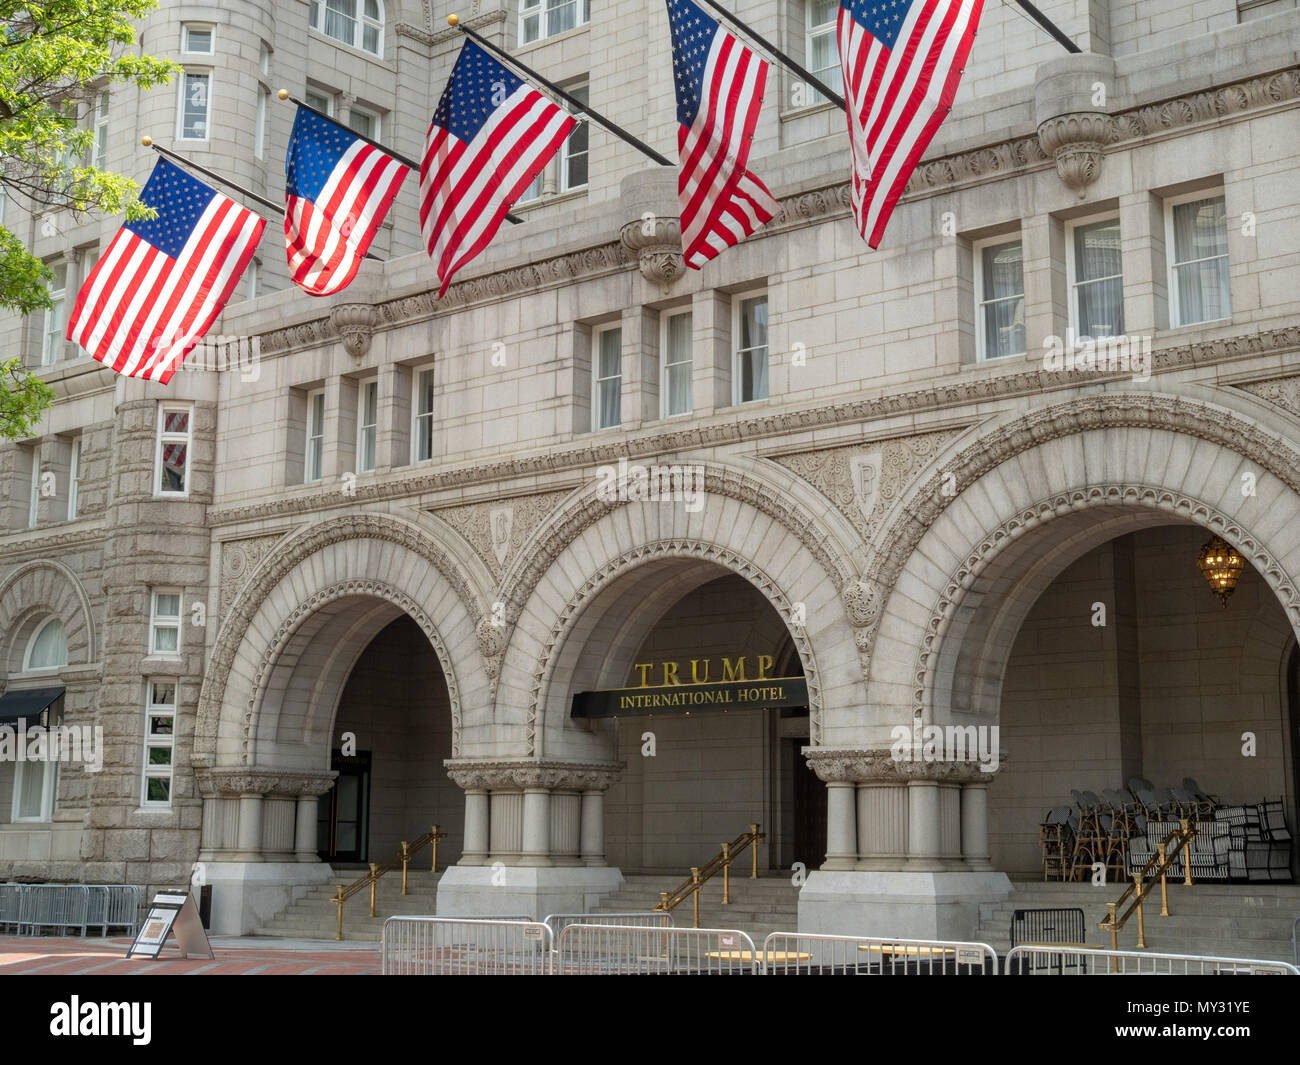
[(315, 458), (1197, 249), (34, 492), (573, 153), (254, 271), (363, 121), (999, 298), (195, 105), (539, 19), (749, 333), (367, 424), (99, 120), (1095, 276), (159, 742), (533, 192), (196, 38), (422, 415), (821, 51), (356, 23), (676, 362), (34, 782), (56, 315), (259, 125), (606, 378), (320, 99), (264, 59), (74, 479), (165, 622), (172, 458), (48, 647)]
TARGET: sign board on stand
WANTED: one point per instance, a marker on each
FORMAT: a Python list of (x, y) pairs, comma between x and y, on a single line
[(172, 911)]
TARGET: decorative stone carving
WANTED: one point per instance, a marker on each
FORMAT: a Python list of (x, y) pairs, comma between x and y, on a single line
[(225, 782), (472, 774), (1075, 142), (878, 766), (1283, 392), (239, 558), (657, 244), (355, 325), (493, 541)]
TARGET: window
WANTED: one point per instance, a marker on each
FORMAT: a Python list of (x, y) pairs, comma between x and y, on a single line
[(33, 795), (74, 478), (367, 422), (675, 383), (999, 298), (356, 23), (195, 103), (322, 101), (259, 128), (264, 59), (165, 622), (55, 316), (539, 19), (533, 191), (99, 118), (607, 379), (48, 648), (34, 497), (1095, 278), (173, 454), (750, 364), (823, 57), (422, 417), (315, 436), (196, 39), (364, 122), (159, 740), (1197, 243), (254, 269), (573, 153)]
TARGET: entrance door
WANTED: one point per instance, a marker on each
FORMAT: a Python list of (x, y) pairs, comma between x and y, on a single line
[(343, 813), (809, 813)]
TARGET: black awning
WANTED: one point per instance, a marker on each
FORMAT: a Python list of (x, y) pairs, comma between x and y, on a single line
[(26, 703)]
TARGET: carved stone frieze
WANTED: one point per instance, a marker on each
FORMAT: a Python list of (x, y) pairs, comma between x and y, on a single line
[(496, 529), (1283, 392), (233, 782), (239, 558), (473, 774), (879, 766)]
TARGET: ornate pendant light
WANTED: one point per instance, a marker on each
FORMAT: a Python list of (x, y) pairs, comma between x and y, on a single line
[(1221, 564)]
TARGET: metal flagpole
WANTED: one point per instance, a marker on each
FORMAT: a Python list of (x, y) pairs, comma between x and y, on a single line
[(180, 160), (1049, 26), (618, 131), (410, 164), (779, 55)]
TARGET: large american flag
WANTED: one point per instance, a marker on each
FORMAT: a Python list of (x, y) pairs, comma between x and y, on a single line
[(719, 84), (161, 283), (490, 136), (338, 188), (902, 60)]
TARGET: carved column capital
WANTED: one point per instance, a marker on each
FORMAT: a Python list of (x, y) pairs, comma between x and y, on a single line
[(657, 243), (234, 781), (355, 325), (472, 774)]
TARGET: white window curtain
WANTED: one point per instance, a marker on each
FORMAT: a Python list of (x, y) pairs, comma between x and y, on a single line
[(1098, 282), (1201, 261)]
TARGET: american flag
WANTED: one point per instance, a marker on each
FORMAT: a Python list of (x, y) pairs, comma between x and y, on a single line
[(162, 283), (719, 84), (490, 136), (902, 60), (338, 188)]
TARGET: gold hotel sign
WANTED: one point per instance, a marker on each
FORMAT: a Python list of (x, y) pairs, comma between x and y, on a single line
[(713, 687)]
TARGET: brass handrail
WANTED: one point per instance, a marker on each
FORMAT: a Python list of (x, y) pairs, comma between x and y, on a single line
[(1144, 880), (701, 874), (402, 858)]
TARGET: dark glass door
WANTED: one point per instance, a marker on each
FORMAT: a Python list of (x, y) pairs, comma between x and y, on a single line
[(809, 812), (343, 813)]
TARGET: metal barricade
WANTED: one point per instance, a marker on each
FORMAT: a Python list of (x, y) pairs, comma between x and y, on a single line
[(115, 906), (1091, 961), (804, 954), (464, 946), (639, 950), (61, 908), (1295, 946), (11, 906), (558, 922)]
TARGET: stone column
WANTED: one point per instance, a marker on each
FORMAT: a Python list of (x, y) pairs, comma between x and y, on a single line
[(592, 832), (882, 825), (248, 840), (537, 826), (975, 825), (923, 836), (304, 836), (476, 827), (841, 826)]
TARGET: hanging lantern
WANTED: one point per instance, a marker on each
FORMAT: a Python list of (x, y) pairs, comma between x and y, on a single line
[(1221, 564)]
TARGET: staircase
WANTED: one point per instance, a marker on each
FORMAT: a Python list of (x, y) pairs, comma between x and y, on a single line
[(1221, 920), (768, 904), (314, 917)]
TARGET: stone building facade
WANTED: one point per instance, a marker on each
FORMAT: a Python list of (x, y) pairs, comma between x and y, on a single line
[(389, 522)]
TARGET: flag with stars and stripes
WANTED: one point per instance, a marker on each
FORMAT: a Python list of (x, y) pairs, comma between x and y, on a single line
[(490, 136), (338, 188), (161, 284), (719, 84), (902, 61)]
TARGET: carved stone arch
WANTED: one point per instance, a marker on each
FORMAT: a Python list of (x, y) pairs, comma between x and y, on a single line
[(391, 533), (36, 589)]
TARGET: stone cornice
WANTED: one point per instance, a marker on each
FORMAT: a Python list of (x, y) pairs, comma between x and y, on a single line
[(472, 774), (427, 35), (42, 541), (729, 429), (231, 783)]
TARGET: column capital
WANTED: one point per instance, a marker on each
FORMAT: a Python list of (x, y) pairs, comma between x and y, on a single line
[(473, 774), (862, 765), (236, 782)]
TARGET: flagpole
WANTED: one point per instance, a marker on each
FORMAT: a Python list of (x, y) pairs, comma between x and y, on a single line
[(779, 55), (410, 164), (618, 131), (1048, 25)]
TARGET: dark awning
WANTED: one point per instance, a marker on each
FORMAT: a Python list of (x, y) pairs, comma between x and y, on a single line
[(26, 703)]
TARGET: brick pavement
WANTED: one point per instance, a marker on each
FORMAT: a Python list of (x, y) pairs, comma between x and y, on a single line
[(234, 957)]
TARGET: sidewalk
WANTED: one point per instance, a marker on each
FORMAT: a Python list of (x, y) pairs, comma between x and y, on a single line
[(235, 956)]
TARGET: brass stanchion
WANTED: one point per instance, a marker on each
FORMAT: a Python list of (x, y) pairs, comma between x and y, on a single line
[(726, 874), (1187, 849), (663, 905), (1164, 887), (1113, 920), (406, 857), (1142, 939), (695, 893), (434, 868), (753, 831), (338, 901), (374, 879)]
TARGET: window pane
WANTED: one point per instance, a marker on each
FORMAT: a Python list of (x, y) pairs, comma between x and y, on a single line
[(1101, 308), (314, 456), (609, 400), (679, 337), (176, 421), (530, 29), (1004, 327), (32, 789), (424, 393), (1203, 293), (198, 40), (165, 639), (194, 114), (370, 39), (160, 726), (1200, 230), (159, 789), (1097, 251), (753, 323), (679, 388), (160, 756), (611, 353), (1003, 270), (372, 10), (319, 101), (50, 647), (821, 12), (167, 605), (163, 693), (172, 476), (362, 122)]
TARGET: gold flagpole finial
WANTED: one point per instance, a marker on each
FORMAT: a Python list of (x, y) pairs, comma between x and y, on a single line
[(283, 94), (453, 20), (147, 141)]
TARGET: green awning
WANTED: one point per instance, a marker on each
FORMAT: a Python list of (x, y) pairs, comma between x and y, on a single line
[(26, 703)]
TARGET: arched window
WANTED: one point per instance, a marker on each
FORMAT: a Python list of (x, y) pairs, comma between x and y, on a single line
[(356, 23), (48, 648)]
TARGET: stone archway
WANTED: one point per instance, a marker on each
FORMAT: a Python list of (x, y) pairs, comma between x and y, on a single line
[(35, 590)]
